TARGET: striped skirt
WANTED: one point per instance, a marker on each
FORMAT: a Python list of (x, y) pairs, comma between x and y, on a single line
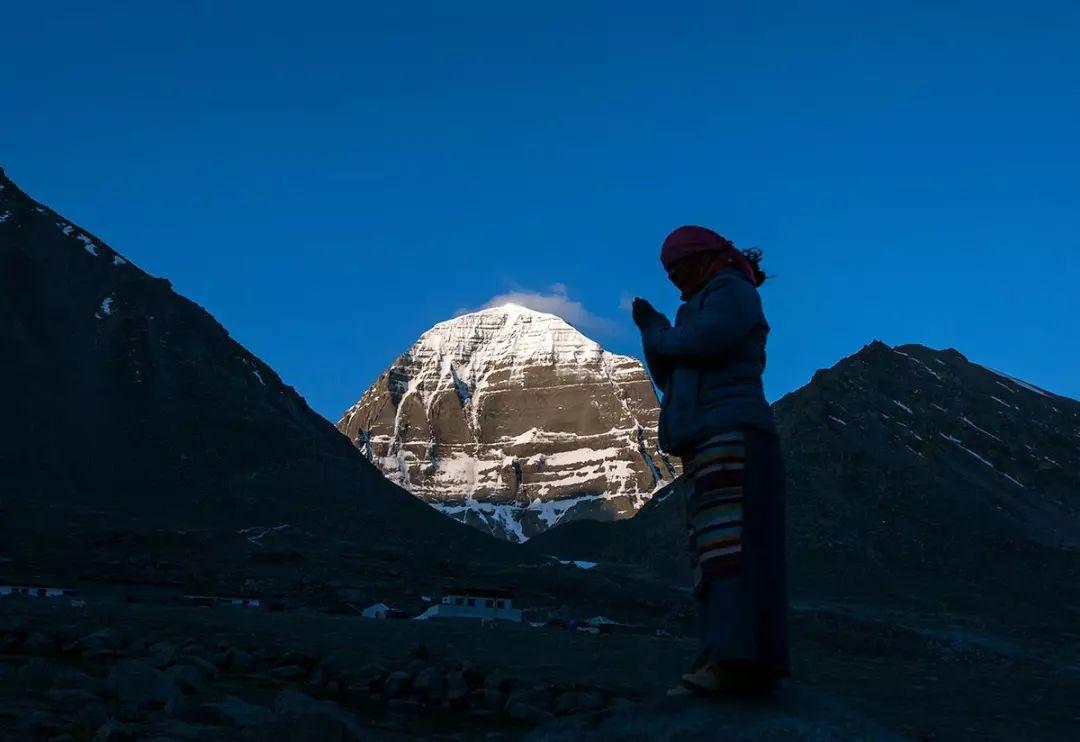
[(735, 519), (714, 512)]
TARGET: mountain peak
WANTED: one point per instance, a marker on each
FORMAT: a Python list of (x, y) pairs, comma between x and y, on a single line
[(512, 420)]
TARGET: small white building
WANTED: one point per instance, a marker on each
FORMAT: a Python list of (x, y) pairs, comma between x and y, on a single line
[(379, 610), (465, 602), (28, 591)]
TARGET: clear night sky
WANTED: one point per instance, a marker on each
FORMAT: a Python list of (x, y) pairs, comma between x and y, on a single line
[(329, 180)]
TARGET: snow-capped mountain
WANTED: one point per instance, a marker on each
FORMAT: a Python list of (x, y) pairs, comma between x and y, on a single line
[(512, 421)]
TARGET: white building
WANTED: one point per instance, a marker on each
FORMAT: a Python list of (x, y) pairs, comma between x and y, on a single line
[(379, 610), (467, 602)]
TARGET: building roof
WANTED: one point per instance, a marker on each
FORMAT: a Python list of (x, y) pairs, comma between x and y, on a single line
[(477, 592)]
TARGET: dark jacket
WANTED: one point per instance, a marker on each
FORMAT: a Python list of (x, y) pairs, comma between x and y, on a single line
[(709, 365)]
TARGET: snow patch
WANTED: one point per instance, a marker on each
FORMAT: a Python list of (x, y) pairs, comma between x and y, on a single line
[(980, 458), (105, 309), (5, 216), (117, 260), (903, 406), (984, 432), (1002, 402), (1022, 384), (836, 419), (88, 244)]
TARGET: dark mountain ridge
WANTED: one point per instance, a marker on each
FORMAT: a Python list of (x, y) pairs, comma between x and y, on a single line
[(914, 476), (136, 428)]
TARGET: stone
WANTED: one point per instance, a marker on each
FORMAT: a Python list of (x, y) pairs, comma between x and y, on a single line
[(114, 731), (40, 644), (430, 685), (416, 667), (160, 655), (328, 669), (305, 661), (371, 675), (396, 685), (286, 672), (37, 674), (88, 720), (541, 696), (207, 668), (298, 710), (499, 680), (239, 661), (527, 713), (488, 698), (237, 713), (105, 639), (578, 702), (177, 707), (457, 690), (71, 698), (188, 678), (67, 677), (195, 649), (135, 682), (472, 673)]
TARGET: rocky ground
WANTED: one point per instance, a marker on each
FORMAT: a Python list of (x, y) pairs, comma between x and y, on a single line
[(111, 670)]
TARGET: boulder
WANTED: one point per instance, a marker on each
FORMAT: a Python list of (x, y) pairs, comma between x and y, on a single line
[(88, 720), (114, 731), (237, 713), (309, 719), (430, 685), (206, 667), (527, 713), (457, 690), (71, 699), (237, 660), (37, 674), (578, 702), (500, 681), (105, 639), (371, 675), (40, 644), (137, 683), (188, 678), (286, 672), (396, 685)]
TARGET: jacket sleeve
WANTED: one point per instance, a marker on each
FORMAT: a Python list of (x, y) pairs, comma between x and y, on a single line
[(728, 313), (659, 369)]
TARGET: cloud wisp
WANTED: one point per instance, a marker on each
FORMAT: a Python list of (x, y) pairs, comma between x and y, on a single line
[(554, 301)]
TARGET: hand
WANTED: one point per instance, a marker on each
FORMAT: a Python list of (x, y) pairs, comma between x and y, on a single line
[(645, 314)]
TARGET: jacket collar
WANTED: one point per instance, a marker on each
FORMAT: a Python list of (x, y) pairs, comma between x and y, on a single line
[(721, 275)]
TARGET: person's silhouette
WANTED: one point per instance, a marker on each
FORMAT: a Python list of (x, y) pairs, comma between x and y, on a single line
[(714, 416)]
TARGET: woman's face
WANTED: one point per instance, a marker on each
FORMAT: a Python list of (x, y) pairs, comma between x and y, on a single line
[(689, 273)]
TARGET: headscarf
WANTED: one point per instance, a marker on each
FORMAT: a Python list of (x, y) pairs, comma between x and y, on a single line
[(693, 240)]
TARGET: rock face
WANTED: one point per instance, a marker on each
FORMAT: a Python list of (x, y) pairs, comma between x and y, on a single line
[(512, 421), (911, 471)]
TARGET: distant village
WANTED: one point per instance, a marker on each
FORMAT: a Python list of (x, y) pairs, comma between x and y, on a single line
[(484, 605)]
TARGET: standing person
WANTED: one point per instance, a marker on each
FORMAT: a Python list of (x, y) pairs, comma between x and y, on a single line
[(714, 416)]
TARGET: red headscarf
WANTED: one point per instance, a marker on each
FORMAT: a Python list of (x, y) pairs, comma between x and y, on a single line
[(691, 240)]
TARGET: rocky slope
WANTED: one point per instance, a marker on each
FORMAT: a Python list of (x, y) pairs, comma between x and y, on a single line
[(140, 440), (512, 421), (913, 474)]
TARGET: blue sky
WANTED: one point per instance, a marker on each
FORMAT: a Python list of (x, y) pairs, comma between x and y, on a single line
[(329, 180)]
